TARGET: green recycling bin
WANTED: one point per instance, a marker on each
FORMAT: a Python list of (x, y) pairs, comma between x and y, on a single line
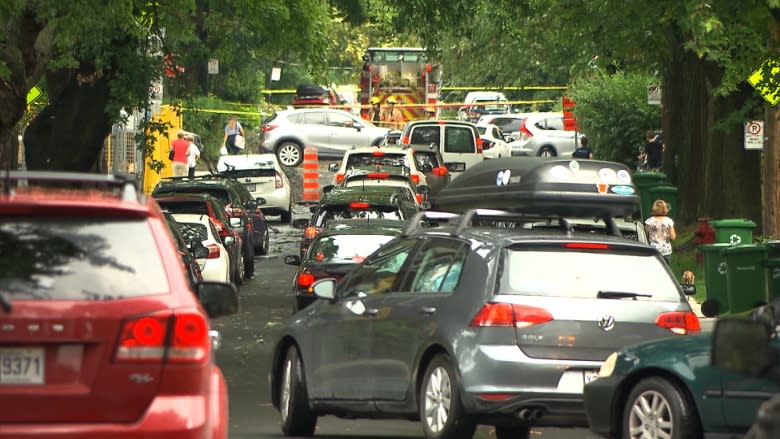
[(715, 275), (772, 270), (644, 181), (664, 192), (745, 276), (733, 231)]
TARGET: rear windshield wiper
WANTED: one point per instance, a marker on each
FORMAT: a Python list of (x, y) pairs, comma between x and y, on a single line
[(620, 295)]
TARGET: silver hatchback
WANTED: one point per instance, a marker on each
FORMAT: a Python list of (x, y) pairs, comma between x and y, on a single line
[(286, 133), (542, 135)]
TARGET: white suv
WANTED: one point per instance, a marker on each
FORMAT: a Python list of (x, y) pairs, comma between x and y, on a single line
[(264, 177), (391, 159), (542, 134)]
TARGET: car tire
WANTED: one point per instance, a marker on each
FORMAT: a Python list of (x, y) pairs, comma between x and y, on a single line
[(240, 269), (287, 216), (295, 415), (513, 432), (289, 153), (547, 151), (655, 407), (440, 400), (265, 244)]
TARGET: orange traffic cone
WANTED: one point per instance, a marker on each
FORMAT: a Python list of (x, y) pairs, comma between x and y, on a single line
[(311, 175)]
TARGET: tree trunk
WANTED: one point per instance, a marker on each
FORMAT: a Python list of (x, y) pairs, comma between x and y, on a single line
[(771, 163)]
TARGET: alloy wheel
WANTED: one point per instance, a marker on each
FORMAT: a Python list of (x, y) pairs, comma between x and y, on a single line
[(438, 399), (651, 417), (289, 154)]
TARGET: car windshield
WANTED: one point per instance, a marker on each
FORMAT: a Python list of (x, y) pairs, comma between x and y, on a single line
[(256, 172), (79, 259), (552, 272), (396, 160), (342, 212), (346, 249), (426, 158)]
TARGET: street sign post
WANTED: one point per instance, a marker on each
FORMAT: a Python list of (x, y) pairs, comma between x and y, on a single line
[(654, 94), (754, 135), (213, 66), (33, 94), (763, 81)]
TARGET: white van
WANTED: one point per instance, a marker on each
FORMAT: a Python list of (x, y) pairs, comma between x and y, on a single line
[(264, 178), (459, 142)]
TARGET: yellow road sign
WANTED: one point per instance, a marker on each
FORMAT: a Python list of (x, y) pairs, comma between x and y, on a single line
[(763, 80), (33, 94)]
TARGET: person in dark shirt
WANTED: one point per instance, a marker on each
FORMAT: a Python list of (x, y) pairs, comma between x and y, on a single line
[(654, 151), (583, 151)]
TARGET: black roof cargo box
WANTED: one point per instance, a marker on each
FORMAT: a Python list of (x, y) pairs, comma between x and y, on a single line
[(543, 186)]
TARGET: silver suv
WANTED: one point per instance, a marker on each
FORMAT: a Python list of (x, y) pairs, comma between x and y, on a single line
[(543, 135), (332, 132)]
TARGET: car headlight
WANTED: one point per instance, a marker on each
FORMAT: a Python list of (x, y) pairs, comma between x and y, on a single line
[(609, 365)]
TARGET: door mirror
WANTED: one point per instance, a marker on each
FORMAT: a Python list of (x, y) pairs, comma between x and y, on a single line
[(235, 223), (689, 289), (300, 223), (199, 251), (357, 126), (425, 205), (325, 288), (334, 167), (229, 240), (260, 201), (743, 345), (292, 260), (218, 298)]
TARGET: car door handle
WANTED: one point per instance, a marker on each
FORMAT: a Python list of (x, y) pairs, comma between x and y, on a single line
[(428, 310), (372, 312)]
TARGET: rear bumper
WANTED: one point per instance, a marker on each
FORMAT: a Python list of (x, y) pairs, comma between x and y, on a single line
[(277, 201)]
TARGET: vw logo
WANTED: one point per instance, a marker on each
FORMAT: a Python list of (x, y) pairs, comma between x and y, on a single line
[(606, 322)]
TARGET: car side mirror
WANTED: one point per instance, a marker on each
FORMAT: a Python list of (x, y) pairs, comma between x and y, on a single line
[(357, 126), (292, 260), (218, 298), (425, 205), (325, 288), (743, 345), (200, 252), (300, 223), (260, 201), (235, 222), (229, 240), (334, 167), (689, 289)]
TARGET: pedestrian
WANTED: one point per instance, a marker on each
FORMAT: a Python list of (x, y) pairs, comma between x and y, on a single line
[(392, 116), (583, 151), (653, 151), (233, 128), (430, 113), (660, 229), (193, 154), (375, 112), (179, 157)]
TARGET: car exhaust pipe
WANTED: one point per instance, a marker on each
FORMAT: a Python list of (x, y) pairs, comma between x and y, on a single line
[(524, 414), (530, 414)]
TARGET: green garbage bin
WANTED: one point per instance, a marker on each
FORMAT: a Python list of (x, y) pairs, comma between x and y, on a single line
[(772, 270), (745, 276), (664, 192), (733, 231), (644, 181), (715, 275)]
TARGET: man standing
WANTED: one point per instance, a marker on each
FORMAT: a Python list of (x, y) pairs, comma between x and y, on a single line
[(392, 116), (583, 151), (654, 151), (193, 154), (179, 148)]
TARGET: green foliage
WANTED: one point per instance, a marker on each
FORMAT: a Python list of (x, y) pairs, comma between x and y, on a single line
[(613, 111)]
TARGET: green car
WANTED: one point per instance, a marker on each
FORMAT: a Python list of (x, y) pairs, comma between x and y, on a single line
[(669, 389)]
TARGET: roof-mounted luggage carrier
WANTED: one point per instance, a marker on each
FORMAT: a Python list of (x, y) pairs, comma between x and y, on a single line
[(563, 187), (125, 185)]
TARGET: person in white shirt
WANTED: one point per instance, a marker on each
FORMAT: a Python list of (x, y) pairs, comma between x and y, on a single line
[(660, 229), (193, 154)]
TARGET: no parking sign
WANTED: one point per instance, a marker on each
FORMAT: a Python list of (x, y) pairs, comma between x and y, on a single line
[(754, 134)]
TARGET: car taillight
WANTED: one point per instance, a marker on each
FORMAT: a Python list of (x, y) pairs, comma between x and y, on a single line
[(378, 153), (486, 144), (419, 198), (311, 232), (278, 180), (378, 176), (339, 178), (679, 322), (585, 246), (415, 178), (213, 251), (479, 145), (305, 280), (508, 314), (358, 205), (524, 130), (440, 171), (266, 128), (405, 139), (146, 339)]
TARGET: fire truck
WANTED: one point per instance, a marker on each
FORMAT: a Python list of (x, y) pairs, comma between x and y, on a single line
[(403, 72)]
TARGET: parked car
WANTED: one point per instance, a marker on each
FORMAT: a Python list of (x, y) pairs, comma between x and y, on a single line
[(286, 133), (232, 238), (336, 251), (189, 254), (368, 178), (199, 228), (494, 144), (264, 178), (102, 334), (480, 103), (458, 142), (391, 159), (307, 95), (461, 323), (542, 134), (431, 163), (373, 203)]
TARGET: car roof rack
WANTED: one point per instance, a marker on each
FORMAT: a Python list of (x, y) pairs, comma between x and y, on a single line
[(126, 184), (564, 187)]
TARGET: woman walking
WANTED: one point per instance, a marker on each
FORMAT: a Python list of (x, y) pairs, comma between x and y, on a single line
[(660, 229)]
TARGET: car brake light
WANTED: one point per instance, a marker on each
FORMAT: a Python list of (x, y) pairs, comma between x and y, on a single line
[(679, 322), (586, 245), (267, 128), (415, 178), (486, 144), (507, 314), (419, 198), (440, 171), (305, 280), (524, 130), (339, 178), (378, 176), (213, 251), (311, 232), (145, 339), (358, 205), (479, 145), (405, 139), (378, 153), (222, 231), (278, 180)]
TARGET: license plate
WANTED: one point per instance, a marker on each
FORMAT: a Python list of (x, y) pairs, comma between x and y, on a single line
[(21, 365), (250, 187), (589, 376)]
